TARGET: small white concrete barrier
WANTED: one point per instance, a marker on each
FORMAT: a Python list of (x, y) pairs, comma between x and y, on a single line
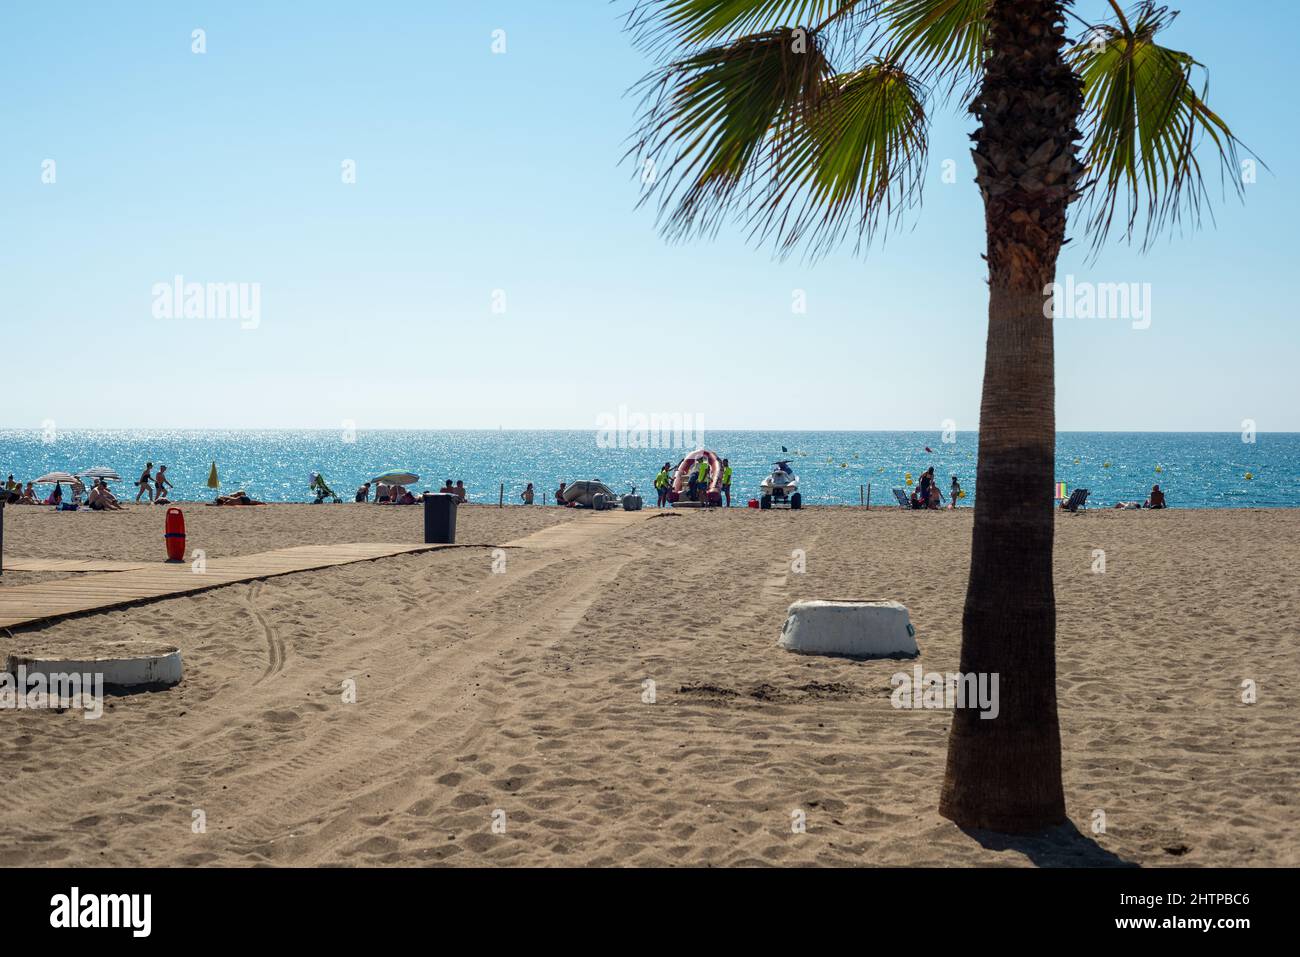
[(852, 629), (123, 664)]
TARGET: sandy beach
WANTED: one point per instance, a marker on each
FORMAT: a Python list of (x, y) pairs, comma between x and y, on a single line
[(520, 698)]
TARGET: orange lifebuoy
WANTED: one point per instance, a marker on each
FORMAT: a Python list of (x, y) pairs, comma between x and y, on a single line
[(175, 535)]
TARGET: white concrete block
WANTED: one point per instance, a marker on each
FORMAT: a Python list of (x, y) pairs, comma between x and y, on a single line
[(124, 664), (853, 629)]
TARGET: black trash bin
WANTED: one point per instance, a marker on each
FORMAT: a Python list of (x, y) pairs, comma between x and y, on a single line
[(439, 519)]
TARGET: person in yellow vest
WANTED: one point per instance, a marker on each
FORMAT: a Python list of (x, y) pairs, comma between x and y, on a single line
[(662, 484), (702, 480), (725, 481)]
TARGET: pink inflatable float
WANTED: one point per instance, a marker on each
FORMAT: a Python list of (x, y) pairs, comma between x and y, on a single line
[(680, 490)]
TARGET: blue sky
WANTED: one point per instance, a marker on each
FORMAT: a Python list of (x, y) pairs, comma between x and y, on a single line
[(478, 172)]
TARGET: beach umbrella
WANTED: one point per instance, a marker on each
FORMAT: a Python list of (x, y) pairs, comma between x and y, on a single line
[(397, 477), (213, 481), (100, 472), (51, 478)]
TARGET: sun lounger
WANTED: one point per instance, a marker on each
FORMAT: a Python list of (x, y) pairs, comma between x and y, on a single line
[(1078, 500), (903, 500)]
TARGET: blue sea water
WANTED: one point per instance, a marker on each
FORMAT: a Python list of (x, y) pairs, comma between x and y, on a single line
[(1196, 470)]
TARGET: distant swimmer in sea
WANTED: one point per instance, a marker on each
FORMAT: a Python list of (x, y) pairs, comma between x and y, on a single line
[(1157, 499)]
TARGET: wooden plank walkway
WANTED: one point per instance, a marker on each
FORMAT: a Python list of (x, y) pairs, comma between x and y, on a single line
[(71, 565), (131, 583), (27, 604)]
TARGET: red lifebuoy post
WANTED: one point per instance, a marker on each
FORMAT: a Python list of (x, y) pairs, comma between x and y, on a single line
[(175, 535)]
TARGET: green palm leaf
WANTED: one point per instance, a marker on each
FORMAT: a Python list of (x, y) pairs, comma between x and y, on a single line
[(709, 118), (941, 38), (1144, 121), (850, 165), (692, 22)]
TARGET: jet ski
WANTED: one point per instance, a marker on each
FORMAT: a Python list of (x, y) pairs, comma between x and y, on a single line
[(780, 488)]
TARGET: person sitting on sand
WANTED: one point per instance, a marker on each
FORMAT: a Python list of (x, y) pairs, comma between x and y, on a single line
[(55, 497), (1157, 499), (527, 495), (146, 482), (559, 496), (363, 493), (462, 495), (108, 494), (382, 492), (936, 498), (101, 499), (29, 495), (405, 498)]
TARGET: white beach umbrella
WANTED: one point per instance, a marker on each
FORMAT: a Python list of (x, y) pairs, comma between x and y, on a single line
[(50, 478), (100, 472)]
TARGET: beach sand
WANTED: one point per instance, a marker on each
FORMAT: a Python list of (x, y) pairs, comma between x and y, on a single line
[(517, 699)]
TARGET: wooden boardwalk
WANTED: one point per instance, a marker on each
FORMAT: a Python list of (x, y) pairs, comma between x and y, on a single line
[(27, 604), (72, 565), (131, 583)]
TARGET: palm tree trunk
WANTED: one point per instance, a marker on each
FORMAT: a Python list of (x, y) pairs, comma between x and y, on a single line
[(1004, 773)]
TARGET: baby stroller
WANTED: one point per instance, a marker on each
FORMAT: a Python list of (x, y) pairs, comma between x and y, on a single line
[(322, 490)]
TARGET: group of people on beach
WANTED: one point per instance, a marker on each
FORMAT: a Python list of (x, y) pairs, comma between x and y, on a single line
[(1155, 500), (699, 478), (391, 493), (154, 486), (927, 494), (98, 496)]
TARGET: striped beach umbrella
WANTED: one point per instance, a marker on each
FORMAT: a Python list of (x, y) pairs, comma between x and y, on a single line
[(100, 472), (397, 477)]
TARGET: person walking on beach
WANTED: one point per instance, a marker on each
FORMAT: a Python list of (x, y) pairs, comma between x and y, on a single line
[(956, 492), (662, 484), (161, 483), (146, 483), (726, 481), (528, 494)]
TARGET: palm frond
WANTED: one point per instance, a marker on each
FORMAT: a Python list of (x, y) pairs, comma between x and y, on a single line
[(754, 130), (1144, 121), (853, 164), (688, 23), (938, 39), (709, 117)]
